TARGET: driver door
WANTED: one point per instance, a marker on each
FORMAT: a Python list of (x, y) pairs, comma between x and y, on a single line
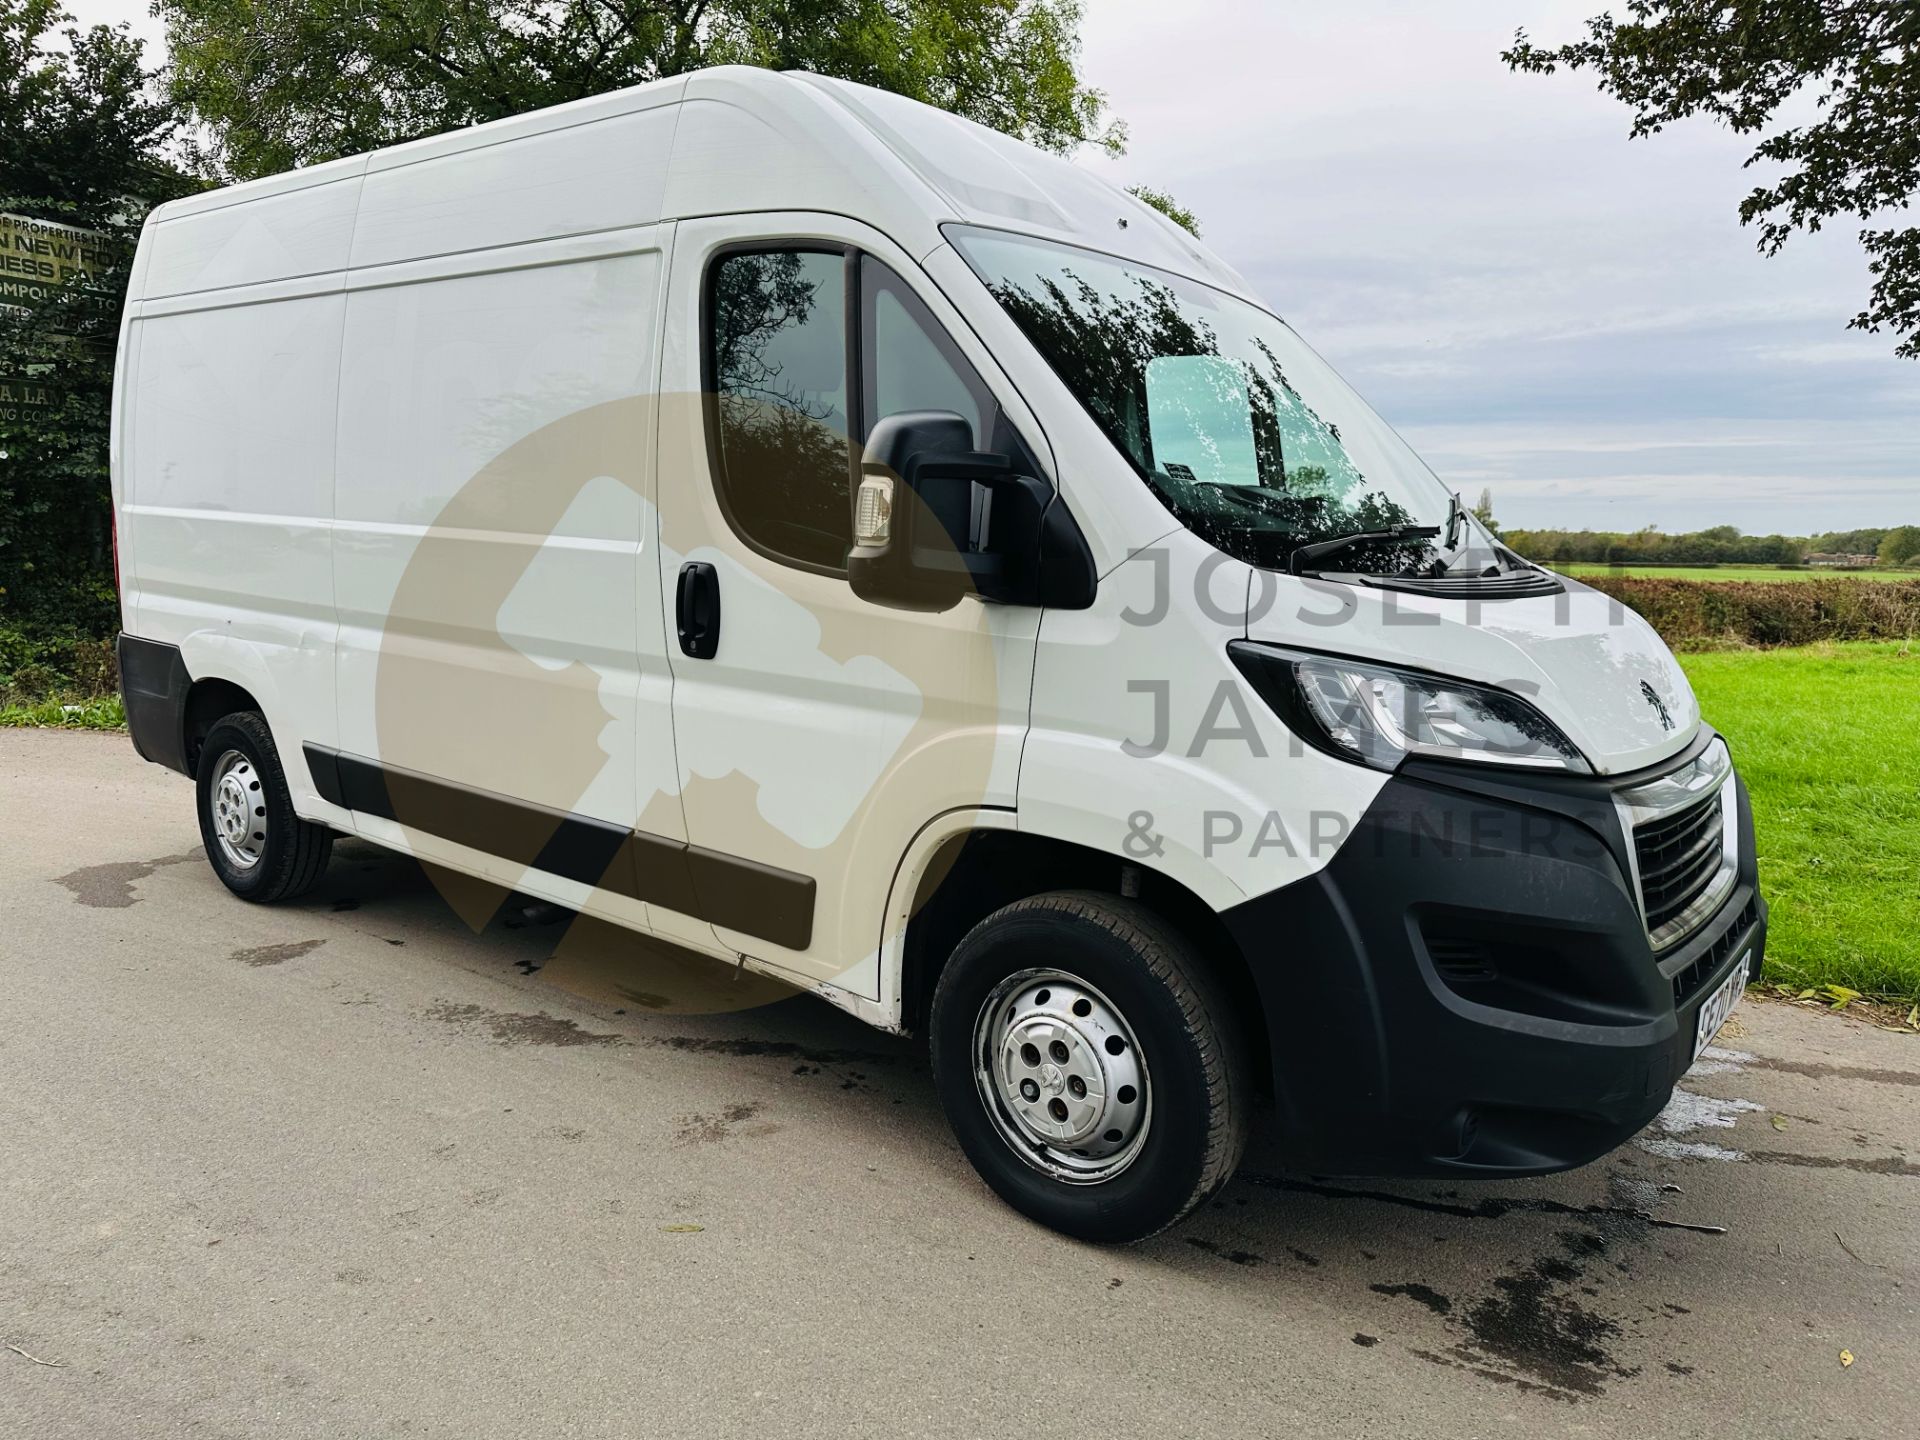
[(815, 732)]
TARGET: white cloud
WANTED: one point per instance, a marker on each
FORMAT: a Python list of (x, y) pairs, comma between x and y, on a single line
[(1577, 320)]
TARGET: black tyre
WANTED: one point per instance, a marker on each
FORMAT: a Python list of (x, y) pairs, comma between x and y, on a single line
[(259, 848), (1088, 1066)]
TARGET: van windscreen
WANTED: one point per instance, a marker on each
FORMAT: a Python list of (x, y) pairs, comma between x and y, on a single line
[(1246, 434)]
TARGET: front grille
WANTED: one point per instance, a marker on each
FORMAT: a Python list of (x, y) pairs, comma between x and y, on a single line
[(1680, 856), (1683, 843), (1687, 982)]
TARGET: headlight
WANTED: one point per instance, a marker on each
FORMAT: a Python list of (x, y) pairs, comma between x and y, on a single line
[(1378, 715)]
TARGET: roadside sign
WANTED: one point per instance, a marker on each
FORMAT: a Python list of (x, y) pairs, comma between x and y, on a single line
[(38, 255), (19, 394)]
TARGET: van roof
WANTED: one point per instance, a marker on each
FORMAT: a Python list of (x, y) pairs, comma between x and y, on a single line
[(989, 178), (750, 140)]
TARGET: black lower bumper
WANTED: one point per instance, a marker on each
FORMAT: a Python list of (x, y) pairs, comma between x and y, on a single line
[(1468, 986)]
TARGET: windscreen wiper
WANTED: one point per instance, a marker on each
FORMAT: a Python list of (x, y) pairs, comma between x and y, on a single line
[(1306, 554), (1254, 497)]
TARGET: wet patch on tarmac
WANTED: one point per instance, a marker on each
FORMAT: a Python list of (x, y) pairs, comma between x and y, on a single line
[(1886, 1165), (1487, 1372), (1532, 1330), (1249, 1257), (778, 1049), (1549, 1321), (1818, 1070), (110, 887), (1420, 1294), (700, 1129), (260, 955), (508, 1028), (1534, 1327), (1235, 1257), (1446, 1202)]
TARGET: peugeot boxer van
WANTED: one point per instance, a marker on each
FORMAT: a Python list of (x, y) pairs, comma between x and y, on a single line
[(826, 534)]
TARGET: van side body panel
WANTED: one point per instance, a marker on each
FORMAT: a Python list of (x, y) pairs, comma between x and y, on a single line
[(495, 433), (497, 572), (224, 443)]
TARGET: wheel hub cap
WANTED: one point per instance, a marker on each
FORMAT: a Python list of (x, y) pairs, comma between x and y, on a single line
[(239, 810), (1062, 1075)]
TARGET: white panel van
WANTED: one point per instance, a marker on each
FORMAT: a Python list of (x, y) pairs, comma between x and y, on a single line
[(823, 533)]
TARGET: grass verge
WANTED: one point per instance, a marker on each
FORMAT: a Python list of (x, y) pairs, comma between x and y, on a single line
[(1825, 737), (102, 714)]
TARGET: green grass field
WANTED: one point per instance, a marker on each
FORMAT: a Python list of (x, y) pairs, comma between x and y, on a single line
[(1826, 739), (1730, 572)]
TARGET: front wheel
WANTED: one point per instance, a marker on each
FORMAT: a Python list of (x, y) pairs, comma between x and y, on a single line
[(1087, 1066), (260, 849)]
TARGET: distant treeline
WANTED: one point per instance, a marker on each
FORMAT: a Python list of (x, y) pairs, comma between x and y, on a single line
[(1722, 545)]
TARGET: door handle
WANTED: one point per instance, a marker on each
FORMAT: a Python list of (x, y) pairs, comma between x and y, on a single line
[(697, 610)]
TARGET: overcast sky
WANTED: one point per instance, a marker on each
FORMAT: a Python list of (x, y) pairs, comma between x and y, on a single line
[(1543, 308)]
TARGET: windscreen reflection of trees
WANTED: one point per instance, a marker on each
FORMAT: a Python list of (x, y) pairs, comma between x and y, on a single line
[(785, 448), (1100, 343)]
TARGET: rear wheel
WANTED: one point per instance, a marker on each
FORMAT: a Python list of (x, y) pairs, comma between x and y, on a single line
[(1087, 1066), (258, 846)]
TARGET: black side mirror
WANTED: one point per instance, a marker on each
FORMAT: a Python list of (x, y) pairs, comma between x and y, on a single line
[(936, 520)]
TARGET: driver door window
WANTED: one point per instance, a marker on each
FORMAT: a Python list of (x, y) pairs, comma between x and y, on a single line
[(783, 408), (778, 417)]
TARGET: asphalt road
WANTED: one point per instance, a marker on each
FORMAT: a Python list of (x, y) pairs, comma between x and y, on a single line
[(347, 1167)]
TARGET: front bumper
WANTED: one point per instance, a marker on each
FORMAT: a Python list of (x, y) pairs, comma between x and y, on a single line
[(1468, 986)]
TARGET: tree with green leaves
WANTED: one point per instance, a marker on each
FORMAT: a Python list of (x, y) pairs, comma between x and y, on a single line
[(84, 131), (1901, 546), (86, 146), (1848, 542), (278, 85), (1483, 509), (1831, 87)]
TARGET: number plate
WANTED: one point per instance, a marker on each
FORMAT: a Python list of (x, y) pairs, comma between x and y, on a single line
[(1717, 1006)]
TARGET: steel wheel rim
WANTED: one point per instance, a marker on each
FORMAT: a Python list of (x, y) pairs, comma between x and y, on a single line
[(1081, 1119), (239, 805)]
